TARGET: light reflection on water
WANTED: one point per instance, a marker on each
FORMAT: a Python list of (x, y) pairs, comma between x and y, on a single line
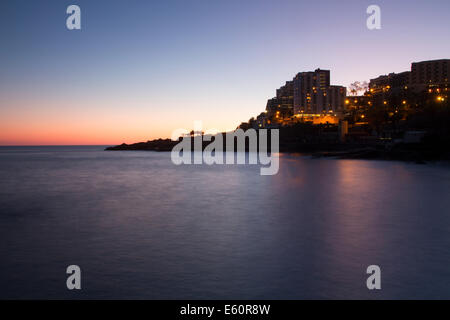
[(141, 227)]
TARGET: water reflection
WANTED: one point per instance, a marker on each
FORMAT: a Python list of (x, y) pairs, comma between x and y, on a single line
[(143, 228)]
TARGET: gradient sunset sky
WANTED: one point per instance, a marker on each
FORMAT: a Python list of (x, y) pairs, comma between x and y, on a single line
[(140, 69)]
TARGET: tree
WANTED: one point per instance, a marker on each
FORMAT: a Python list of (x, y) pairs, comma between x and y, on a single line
[(358, 87)]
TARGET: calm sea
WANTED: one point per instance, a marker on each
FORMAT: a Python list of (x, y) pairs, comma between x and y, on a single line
[(141, 227)]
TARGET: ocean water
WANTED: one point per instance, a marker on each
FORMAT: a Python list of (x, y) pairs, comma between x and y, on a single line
[(142, 228)]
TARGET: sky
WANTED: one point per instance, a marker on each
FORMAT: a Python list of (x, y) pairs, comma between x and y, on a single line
[(138, 70)]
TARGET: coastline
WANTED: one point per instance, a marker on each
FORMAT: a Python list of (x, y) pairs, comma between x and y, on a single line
[(417, 153)]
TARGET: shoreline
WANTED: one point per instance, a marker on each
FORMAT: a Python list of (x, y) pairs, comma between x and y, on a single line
[(416, 153)]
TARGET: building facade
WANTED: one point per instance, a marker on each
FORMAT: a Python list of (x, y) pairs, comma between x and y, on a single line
[(429, 73), (425, 74), (282, 106), (313, 94), (392, 81)]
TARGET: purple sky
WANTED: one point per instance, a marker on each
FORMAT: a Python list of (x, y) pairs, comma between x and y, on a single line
[(140, 69)]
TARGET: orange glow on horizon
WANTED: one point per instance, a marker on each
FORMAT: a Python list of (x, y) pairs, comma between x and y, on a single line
[(51, 125), (71, 135)]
